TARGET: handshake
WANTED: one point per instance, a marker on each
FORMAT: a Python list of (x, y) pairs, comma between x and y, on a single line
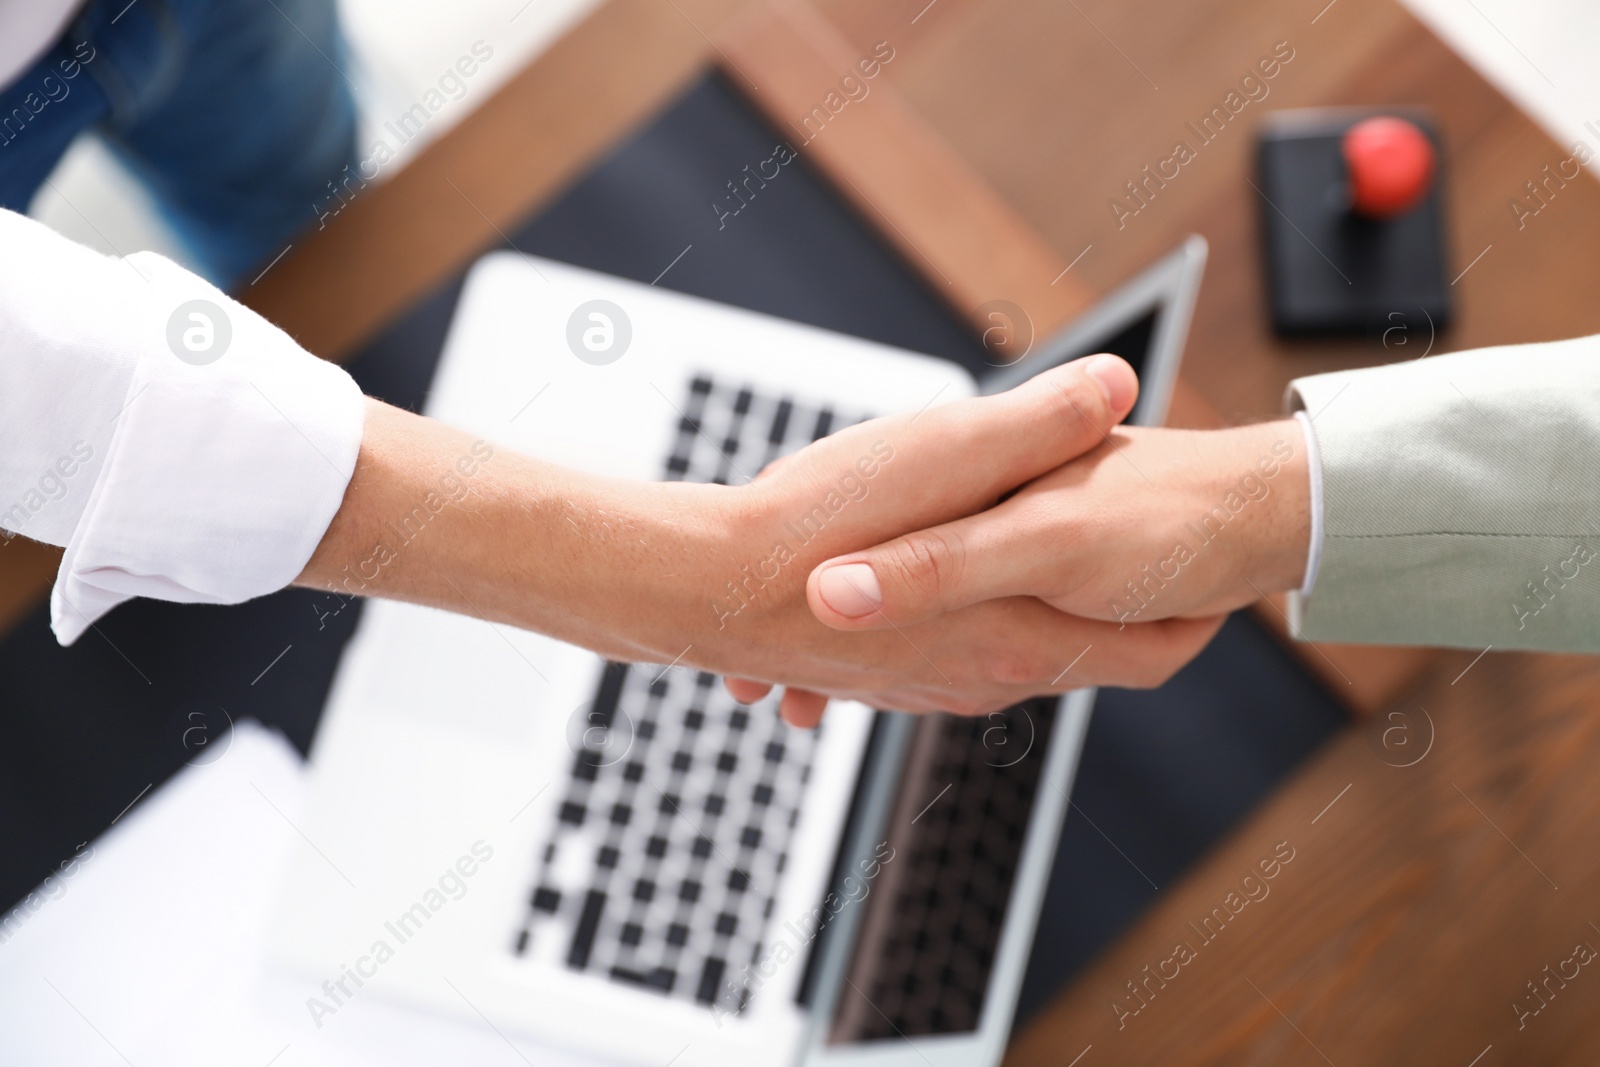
[(963, 558), (1004, 547)]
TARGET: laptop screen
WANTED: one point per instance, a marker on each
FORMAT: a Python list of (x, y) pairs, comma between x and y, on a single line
[(1132, 342)]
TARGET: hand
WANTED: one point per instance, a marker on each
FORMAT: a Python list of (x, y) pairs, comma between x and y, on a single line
[(1007, 649), (1154, 524)]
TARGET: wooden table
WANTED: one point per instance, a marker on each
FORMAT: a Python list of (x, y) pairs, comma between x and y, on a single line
[(1420, 899)]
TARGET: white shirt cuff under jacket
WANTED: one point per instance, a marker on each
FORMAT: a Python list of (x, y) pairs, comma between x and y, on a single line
[(191, 459), (1314, 462), (1297, 598)]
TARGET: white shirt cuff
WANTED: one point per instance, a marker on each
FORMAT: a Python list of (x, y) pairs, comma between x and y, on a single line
[(220, 477), (1314, 463)]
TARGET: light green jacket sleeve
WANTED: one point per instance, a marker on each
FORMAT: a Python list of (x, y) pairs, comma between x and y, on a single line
[(1461, 500)]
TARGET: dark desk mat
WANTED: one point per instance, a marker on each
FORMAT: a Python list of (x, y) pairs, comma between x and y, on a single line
[(1164, 775)]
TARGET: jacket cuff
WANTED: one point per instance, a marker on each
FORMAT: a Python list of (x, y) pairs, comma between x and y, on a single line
[(1458, 500)]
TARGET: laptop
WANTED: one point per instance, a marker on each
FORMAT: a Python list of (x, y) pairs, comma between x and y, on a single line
[(618, 862)]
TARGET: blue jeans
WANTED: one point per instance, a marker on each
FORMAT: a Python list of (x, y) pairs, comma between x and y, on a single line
[(235, 114)]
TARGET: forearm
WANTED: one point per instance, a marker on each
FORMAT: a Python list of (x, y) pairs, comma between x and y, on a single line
[(433, 516)]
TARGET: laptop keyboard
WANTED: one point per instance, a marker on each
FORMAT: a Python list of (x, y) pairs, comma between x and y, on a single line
[(923, 960), (661, 868)]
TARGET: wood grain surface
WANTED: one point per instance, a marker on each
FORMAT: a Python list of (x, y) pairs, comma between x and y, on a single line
[(1443, 857), (1057, 105), (969, 245)]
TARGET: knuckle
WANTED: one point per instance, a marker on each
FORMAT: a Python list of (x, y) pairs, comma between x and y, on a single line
[(1076, 402), (928, 563), (1013, 669)]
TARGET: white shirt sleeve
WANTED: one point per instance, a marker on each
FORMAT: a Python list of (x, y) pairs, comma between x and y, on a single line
[(174, 442)]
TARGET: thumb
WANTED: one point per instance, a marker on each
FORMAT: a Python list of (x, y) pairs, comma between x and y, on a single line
[(927, 573)]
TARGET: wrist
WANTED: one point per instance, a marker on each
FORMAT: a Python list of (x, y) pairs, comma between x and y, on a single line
[(1269, 468), (629, 569)]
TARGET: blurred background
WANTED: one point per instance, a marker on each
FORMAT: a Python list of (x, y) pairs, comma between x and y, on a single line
[(1540, 53)]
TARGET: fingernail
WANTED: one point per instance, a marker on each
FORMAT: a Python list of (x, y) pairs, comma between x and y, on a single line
[(851, 589), (1115, 379)]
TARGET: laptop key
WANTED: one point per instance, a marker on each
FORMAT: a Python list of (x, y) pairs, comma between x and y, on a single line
[(662, 978), (594, 902), (710, 979), (780, 422)]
